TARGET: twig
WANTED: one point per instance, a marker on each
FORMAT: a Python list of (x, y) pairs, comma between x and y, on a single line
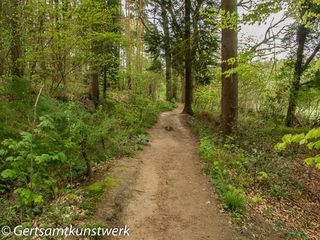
[(31, 147)]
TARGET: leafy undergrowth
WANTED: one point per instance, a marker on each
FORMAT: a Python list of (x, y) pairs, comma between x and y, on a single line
[(75, 206), (252, 179), (42, 158)]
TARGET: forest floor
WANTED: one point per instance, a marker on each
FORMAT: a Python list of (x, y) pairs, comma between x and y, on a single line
[(163, 192)]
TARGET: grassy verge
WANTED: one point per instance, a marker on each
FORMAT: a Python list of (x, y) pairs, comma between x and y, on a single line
[(252, 179), (225, 167)]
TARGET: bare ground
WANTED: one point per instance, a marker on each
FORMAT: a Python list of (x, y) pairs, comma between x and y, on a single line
[(170, 198)]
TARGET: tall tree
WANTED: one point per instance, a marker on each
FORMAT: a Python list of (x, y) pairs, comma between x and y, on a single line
[(309, 12), (2, 39), (229, 78), (139, 34), (17, 68), (302, 33), (188, 59), (167, 52), (128, 44)]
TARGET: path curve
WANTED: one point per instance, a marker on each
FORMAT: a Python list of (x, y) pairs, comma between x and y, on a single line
[(172, 198)]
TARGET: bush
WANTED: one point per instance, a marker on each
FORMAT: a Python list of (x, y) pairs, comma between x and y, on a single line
[(36, 165)]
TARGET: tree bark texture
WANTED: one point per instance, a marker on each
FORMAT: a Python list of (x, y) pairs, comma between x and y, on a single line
[(188, 60), (302, 33), (229, 96)]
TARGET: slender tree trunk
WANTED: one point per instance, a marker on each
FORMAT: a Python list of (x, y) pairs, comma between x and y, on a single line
[(188, 60), (174, 87), (65, 52), (128, 48), (229, 96), (97, 48), (139, 47), (139, 29), (86, 159), (17, 69), (183, 86), (167, 52), (95, 86), (302, 33), (104, 91), (2, 64), (117, 48)]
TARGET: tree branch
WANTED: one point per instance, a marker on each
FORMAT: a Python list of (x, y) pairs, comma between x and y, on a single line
[(267, 35), (309, 60)]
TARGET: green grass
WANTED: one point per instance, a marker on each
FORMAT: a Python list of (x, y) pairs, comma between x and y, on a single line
[(225, 166)]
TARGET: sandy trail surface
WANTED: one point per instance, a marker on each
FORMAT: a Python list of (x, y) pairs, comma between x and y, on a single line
[(171, 197)]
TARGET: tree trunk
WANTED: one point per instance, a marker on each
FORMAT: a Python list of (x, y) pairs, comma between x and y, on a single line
[(188, 60), (1, 65), (95, 87), (183, 86), (96, 67), (302, 33), (139, 30), (174, 88), (65, 52), (2, 40), (128, 48), (17, 69), (167, 52), (94, 84), (104, 90), (139, 48), (229, 96), (86, 159)]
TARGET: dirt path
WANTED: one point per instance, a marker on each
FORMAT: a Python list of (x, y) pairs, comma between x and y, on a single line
[(172, 198)]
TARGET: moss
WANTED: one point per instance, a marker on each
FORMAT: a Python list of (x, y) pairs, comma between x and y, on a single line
[(97, 188)]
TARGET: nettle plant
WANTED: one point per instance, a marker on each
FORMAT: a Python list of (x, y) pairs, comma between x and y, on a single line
[(310, 139), (26, 169)]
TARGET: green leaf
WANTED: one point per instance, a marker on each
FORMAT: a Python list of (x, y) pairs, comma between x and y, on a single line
[(298, 138), (287, 138), (9, 174), (280, 146), (303, 141), (317, 145), (310, 145), (38, 199), (309, 161), (263, 175), (3, 152), (26, 136), (313, 133), (24, 194), (43, 158), (10, 159), (62, 157)]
